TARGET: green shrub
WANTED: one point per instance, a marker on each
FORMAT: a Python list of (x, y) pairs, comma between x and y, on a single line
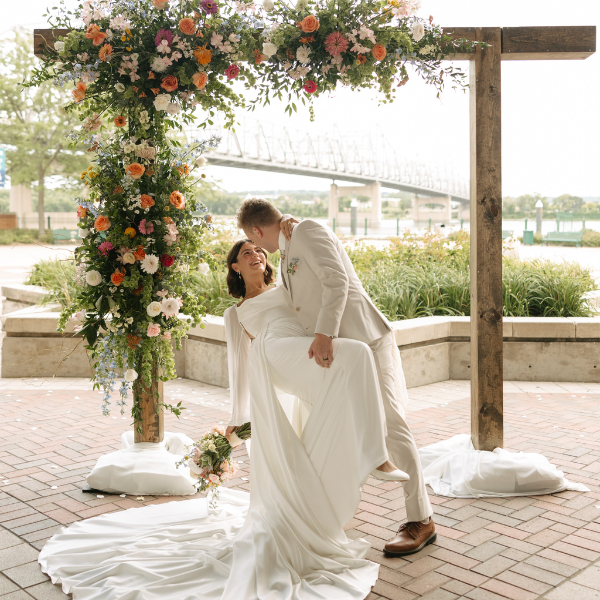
[(23, 236), (591, 238), (411, 277)]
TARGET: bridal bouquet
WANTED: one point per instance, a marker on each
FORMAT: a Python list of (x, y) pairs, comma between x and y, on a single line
[(209, 459)]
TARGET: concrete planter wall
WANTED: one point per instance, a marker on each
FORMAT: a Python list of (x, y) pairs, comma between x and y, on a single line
[(432, 348)]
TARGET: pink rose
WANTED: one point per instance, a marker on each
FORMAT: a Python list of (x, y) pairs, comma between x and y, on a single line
[(166, 335), (153, 330), (214, 478)]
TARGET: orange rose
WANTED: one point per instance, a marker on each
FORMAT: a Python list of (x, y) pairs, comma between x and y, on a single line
[(118, 276), (131, 232), (101, 223), (120, 121), (378, 52), (200, 79), (81, 212), (146, 201), (79, 91), (93, 33), (151, 75), (203, 55), (105, 52), (160, 4), (259, 56), (135, 170), (310, 24), (361, 59), (177, 199), (139, 253), (169, 83), (187, 26)]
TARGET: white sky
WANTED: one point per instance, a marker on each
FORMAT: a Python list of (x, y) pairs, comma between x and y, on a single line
[(551, 122)]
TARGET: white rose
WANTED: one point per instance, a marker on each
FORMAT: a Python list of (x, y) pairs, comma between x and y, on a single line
[(93, 278), (302, 54), (418, 31), (301, 5), (269, 49), (200, 161), (212, 447), (203, 269), (119, 87), (162, 101), (59, 46), (173, 108), (83, 233), (131, 375), (153, 309), (128, 258), (268, 5)]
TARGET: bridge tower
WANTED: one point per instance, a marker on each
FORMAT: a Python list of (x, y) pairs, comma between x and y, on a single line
[(372, 190), (422, 214)]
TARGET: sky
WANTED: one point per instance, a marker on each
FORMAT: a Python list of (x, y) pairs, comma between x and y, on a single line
[(550, 117)]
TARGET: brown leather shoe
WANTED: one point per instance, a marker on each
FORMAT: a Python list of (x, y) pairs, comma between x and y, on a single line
[(411, 538)]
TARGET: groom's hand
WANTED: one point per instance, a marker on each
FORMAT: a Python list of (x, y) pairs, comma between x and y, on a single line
[(322, 350), (287, 224)]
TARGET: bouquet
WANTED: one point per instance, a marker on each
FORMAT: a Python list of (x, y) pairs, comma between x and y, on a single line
[(209, 459)]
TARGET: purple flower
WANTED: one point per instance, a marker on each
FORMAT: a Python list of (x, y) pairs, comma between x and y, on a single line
[(163, 34), (210, 7)]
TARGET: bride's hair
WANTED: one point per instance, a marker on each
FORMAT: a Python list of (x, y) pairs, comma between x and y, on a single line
[(235, 283)]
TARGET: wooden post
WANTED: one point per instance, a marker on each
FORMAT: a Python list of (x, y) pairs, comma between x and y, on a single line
[(486, 243), (152, 417)]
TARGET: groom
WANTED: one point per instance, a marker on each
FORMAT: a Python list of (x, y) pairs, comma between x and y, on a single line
[(331, 302)]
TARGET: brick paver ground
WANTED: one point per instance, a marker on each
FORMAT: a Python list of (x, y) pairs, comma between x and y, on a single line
[(52, 432)]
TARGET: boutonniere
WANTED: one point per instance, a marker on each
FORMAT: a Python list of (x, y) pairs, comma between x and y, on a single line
[(293, 266)]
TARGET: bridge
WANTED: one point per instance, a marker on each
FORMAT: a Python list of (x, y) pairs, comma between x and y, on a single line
[(369, 160)]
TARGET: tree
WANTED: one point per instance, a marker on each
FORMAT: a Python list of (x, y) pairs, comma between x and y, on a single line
[(33, 124), (567, 203)]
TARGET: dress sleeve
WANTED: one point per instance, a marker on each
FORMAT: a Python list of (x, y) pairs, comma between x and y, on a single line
[(238, 348)]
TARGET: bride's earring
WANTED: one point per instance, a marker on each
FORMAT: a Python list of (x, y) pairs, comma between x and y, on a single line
[(239, 275)]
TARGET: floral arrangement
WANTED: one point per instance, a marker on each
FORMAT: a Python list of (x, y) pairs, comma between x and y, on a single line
[(139, 69), (209, 459)]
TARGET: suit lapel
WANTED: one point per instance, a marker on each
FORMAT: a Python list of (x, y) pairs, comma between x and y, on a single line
[(287, 262)]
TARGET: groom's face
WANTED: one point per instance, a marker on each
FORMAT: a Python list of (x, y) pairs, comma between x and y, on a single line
[(262, 237)]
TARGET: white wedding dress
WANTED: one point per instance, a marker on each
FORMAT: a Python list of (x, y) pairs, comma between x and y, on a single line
[(284, 540)]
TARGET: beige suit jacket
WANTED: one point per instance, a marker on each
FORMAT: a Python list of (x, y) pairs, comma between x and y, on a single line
[(324, 287)]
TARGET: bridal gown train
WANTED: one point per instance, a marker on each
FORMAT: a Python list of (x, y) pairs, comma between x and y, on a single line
[(284, 540)]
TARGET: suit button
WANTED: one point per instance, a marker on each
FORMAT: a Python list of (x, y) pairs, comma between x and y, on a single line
[(297, 308)]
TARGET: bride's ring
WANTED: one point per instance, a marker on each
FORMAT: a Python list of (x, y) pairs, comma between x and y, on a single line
[(325, 359)]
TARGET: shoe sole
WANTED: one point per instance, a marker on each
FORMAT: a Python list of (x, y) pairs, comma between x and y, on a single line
[(428, 541)]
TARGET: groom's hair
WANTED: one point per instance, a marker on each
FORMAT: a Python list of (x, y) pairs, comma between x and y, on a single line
[(257, 212)]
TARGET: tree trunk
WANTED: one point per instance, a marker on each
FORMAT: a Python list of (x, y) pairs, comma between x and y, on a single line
[(41, 217), (152, 423)]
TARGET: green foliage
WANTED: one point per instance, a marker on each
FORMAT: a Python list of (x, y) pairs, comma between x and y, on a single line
[(59, 278), (591, 238), (34, 124), (23, 236), (567, 203)]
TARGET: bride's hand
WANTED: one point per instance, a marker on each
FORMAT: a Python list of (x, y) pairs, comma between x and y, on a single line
[(287, 224), (230, 430)]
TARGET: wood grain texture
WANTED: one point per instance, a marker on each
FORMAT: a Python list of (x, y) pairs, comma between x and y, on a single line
[(45, 38), (153, 416), (486, 243), (548, 43)]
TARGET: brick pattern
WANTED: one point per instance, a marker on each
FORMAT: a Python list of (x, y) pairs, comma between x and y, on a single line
[(519, 548)]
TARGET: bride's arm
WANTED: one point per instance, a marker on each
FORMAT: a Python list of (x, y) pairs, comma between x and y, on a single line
[(238, 347)]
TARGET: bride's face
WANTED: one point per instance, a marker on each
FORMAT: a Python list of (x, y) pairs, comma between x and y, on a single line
[(250, 260)]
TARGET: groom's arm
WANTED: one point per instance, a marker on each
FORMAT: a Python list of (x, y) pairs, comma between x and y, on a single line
[(321, 254)]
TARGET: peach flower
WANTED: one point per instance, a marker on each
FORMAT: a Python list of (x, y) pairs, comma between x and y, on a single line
[(146, 201), (105, 52), (93, 33), (139, 253), (135, 170), (187, 26), (200, 79), (203, 55), (361, 59), (177, 200), (309, 24), (79, 91), (118, 190), (169, 83), (120, 121), (259, 56), (378, 52), (131, 232), (153, 330), (118, 276), (81, 212), (101, 223), (160, 4)]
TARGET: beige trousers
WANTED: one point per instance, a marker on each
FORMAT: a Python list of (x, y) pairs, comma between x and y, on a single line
[(399, 441)]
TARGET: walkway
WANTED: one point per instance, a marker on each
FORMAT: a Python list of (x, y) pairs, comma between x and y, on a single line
[(520, 548)]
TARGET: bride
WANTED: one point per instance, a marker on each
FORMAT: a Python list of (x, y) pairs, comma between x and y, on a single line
[(317, 434)]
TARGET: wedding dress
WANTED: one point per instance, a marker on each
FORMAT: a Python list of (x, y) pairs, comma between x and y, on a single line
[(283, 541)]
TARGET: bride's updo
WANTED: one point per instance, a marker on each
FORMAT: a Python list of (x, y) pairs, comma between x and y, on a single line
[(235, 283)]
